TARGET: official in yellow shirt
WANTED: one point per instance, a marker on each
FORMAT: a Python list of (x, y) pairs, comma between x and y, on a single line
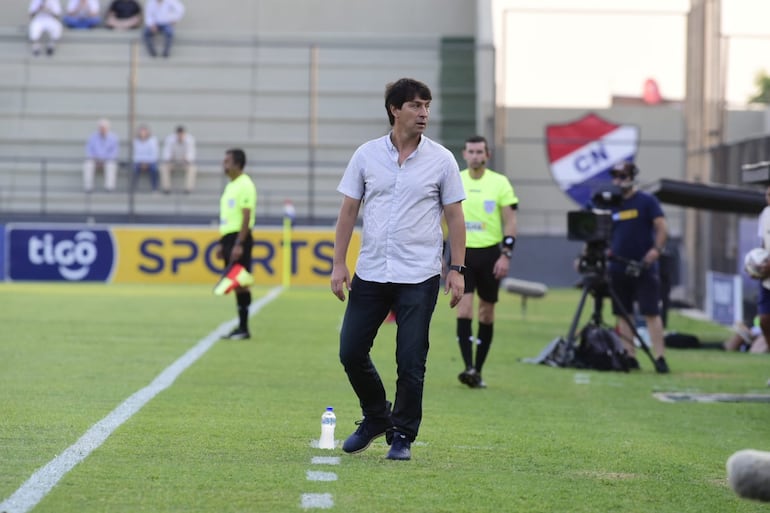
[(237, 211), (490, 232)]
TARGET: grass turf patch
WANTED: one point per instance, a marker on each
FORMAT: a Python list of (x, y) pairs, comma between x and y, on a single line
[(234, 432)]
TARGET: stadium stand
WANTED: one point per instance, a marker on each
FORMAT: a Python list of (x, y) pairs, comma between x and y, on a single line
[(298, 105)]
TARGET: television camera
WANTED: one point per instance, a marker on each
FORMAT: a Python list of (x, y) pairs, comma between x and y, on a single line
[(594, 227)]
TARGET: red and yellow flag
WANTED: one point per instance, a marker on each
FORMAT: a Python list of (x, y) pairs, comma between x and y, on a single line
[(236, 276)]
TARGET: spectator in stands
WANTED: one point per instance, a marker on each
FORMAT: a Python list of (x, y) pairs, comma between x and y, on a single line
[(82, 14), (44, 20), (102, 151), (178, 154), (145, 157), (160, 16), (123, 15)]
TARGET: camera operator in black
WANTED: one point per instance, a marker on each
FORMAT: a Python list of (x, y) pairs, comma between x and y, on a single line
[(639, 234)]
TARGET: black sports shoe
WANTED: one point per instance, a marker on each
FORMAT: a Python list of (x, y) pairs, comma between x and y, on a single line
[(661, 367), (400, 448), (470, 377), (237, 334)]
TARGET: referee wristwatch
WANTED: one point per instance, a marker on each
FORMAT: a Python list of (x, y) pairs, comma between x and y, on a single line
[(459, 268)]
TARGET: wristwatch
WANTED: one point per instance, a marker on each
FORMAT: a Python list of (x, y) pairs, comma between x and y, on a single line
[(459, 268)]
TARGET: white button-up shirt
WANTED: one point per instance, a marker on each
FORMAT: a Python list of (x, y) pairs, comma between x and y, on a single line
[(402, 239), (53, 6), (162, 12)]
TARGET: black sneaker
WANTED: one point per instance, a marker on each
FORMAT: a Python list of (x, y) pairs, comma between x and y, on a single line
[(237, 334), (369, 428), (661, 367), (470, 377), (400, 448)]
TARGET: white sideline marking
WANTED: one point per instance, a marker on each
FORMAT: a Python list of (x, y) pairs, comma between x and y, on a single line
[(317, 501), (582, 378), (325, 460), (44, 479), (317, 475)]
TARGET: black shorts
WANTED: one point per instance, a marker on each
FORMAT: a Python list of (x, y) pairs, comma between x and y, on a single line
[(228, 241), (644, 290), (479, 273)]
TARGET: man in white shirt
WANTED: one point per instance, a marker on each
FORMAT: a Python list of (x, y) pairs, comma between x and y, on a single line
[(102, 150), (178, 154), (401, 183), (160, 16), (763, 302), (44, 20)]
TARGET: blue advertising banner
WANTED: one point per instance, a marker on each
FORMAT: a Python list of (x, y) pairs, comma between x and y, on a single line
[(60, 254), (3, 258), (724, 298)]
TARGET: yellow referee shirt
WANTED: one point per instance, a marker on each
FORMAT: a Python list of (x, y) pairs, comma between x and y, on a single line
[(238, 194), (484, 200)]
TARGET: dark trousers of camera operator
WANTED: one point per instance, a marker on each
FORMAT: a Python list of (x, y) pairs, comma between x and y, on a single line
[(640, 285)]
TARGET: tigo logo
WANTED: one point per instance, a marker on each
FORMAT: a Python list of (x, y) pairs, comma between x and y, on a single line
[(71, 255)]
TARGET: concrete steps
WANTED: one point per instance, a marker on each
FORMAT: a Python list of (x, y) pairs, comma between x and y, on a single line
[(229, 92)]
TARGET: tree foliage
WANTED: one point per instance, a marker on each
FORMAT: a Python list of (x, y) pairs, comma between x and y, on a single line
[(762, 81)]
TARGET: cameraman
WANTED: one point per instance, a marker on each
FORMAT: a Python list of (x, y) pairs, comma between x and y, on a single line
[(638, 236)]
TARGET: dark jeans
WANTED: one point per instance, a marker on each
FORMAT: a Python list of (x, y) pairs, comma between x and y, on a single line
[(368, 305), (152, 169), (168, 36)]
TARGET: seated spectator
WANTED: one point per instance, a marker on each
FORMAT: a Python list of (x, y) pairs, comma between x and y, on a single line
[(102, 151), (44, 20), (160, 16), (747, 340), (123, 15), (82, 14), (178, 154), (145, 157)]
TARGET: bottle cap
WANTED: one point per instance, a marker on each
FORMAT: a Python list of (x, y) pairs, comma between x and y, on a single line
[(329, 408)]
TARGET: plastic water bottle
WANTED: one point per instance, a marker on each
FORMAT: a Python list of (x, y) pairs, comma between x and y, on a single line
[(328, 423)]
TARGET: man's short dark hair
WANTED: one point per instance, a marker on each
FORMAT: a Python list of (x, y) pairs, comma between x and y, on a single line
[(404, 90), (478, 139), (238, 156)]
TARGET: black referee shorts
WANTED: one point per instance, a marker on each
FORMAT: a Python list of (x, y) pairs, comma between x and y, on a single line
[(479, 273), (228, 241)]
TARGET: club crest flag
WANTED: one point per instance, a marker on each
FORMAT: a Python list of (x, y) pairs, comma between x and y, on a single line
[(582, 153), (236, 276)]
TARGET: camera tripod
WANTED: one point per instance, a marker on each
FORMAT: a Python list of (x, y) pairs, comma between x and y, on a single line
[(596, 283)]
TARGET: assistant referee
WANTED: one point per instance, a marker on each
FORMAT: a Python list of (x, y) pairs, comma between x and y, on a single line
[(490, 222), (237, 208)]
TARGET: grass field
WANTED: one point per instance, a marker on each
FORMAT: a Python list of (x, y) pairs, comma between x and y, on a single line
[(234, 431)]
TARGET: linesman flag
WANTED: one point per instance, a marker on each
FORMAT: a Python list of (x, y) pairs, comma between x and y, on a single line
[(236, 276)]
